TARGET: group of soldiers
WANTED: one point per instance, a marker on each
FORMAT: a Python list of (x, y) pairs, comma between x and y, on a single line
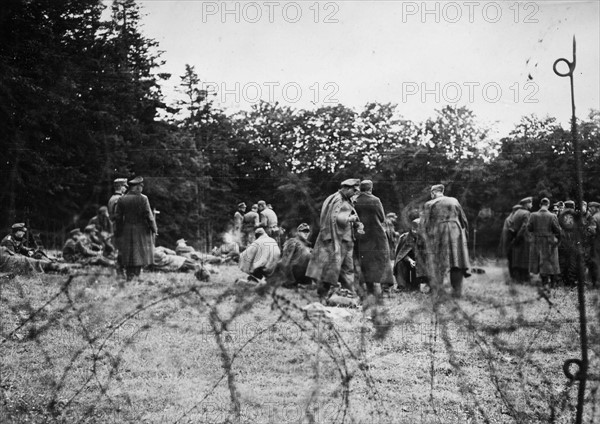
[(558, 242), (358, 251)]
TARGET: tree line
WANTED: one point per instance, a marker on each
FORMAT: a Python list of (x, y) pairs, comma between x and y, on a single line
[(81, 104)]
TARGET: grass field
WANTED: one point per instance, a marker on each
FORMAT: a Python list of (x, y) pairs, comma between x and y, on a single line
[(170, 349)]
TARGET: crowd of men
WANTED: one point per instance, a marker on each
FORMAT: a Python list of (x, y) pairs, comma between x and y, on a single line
[(358, 250), (547, 242)]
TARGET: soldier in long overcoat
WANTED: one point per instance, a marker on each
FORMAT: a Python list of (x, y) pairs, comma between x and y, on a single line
[(331, 260), (594, 232), (135, 230), (520, 240), (445, 227), (372, 247), (506, 239), (545, 231)]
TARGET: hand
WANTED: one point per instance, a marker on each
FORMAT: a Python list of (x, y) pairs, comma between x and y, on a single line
[(411, 262)]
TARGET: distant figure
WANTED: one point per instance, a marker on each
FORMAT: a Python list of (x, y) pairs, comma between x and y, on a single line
[(410, 259), (268, 220), (260, 258), (517, 228), (79, 249), (372, 247), (120, 187), (594, 237), (238, 221), (168, 261), (104, 228), (250, 223), (569, 251), (15, 241), (507, 239), (12, 262), (331, 261), (291, 269), (392, 235), (445, 227), (182, 249), (135, 229), (543, 256)]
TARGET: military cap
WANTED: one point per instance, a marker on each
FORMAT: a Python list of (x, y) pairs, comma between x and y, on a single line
[(437, 187), (120, 181), (545, 201), (569, 204), (350, 182), (241, 205), (366, 185), (102, 209), (90, 228), (304, 227), (136, 181), (526, 200), (74, 231), (262, 203), (180, 241), (259, 231), (18, 227), (594, 205), (391, 215), (416, 221)]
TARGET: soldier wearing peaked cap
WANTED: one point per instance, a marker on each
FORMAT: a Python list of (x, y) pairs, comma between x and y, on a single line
[(372, 247), (15, 241), (331, 261), (120, 187), (445, 228), (520, 240), (545, 232), (135, 230)]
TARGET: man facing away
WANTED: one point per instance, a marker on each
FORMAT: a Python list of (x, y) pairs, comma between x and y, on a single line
[(445, 228), (517, 228), (372, 247), (331, 260), (543, 255), (135, 230)]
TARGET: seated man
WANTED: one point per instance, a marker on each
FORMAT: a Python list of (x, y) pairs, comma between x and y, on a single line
[(291, 269), (15, 242), (408, 252), (104, 230), (229, 249), (182, 249), (12, 262), (260, 258), (78, 249)]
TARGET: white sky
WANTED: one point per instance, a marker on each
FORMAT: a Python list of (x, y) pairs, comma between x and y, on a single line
[(386, 51)]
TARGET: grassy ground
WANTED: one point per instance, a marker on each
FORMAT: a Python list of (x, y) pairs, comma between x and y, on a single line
[(171, 349)]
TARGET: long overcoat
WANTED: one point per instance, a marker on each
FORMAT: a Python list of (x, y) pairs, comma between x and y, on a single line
[(445, 227), (135, 230), (545, 234), (372, 247), (520, 245), (332, 254), (595, 248)]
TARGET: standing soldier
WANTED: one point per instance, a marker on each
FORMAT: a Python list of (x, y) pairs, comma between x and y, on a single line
[(520, 240), (594, 237), (331, 260), (372, 247), (390, 231), (543, 254), (238, 220), (506, 240), (569, 251), (120, 187), (249, 225), (445, 227), (135, 229)]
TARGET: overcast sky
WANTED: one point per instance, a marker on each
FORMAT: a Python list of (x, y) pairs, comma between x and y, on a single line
[(494, 57)]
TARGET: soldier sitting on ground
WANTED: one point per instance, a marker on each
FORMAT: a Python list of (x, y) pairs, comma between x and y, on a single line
[(78, 249), (291, 269), (104, 230), (16, 263)]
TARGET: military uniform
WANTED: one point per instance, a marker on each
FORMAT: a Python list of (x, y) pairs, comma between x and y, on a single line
[(545, 234)]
